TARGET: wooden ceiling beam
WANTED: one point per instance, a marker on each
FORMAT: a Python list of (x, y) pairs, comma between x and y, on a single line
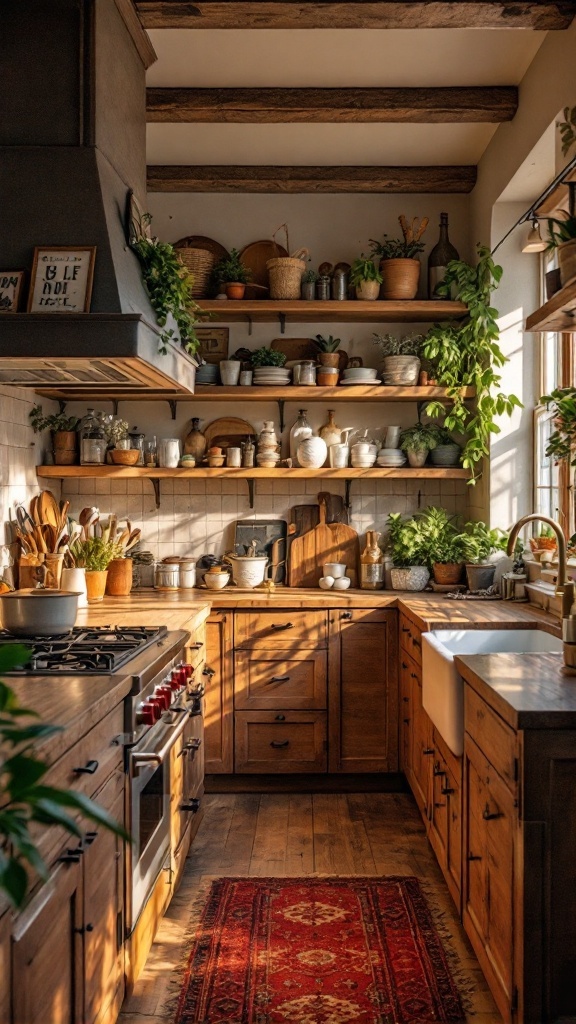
[(491, 104), (542, 15), (272, 179)]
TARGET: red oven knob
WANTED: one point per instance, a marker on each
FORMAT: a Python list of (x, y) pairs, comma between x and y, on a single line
[(178, 679), (158, 705), (188, 670), (146, 714), (165, 690)]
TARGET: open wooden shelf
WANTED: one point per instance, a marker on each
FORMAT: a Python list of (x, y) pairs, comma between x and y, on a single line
[(558, 314), (300, 311)]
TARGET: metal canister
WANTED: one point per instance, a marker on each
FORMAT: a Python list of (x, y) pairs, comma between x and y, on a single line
[(340, 285), (166, 576), (323, 287)]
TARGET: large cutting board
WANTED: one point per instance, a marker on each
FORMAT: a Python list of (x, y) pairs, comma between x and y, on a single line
[(228, 431), (346, 549), (335, 542)]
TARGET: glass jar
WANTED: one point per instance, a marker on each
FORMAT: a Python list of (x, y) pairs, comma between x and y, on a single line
[(92, 440), (151, 453), (169, 452), (307, 372), (137, 441)]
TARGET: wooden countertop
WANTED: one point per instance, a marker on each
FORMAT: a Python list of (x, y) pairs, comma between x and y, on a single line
[(529, 691), (177, 610)]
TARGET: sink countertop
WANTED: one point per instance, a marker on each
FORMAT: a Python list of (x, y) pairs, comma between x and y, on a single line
[(529, 691)]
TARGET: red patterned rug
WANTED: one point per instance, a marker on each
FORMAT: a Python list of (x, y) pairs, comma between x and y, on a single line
[(318, 951)]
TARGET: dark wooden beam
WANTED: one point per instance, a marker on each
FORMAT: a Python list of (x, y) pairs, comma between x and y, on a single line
[(250, 14), (226, 178), (492, 104)]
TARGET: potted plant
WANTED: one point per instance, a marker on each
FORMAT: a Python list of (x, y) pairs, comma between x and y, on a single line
[(64, 436), (233, 274), (268, 357), (562, 237), (446, 452), (444, 544), (365, 278), (94, 555), (399, 262), (328, 354), (417, 441), (401, 358), (308, 284), (409, 553), (478, 543)]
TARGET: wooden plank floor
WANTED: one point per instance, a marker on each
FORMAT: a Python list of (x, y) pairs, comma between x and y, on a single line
[(300, 834)]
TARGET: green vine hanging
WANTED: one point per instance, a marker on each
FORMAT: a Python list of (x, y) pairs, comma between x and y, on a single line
[(466, 354), (169, 286)]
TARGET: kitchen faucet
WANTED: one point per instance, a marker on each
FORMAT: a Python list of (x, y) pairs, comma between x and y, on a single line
[(564, 586)]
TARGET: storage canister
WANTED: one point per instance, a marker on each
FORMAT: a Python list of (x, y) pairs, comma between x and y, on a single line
[(166, 576)]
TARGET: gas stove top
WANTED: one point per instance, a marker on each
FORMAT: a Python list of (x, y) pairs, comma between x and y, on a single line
[(100, 650)]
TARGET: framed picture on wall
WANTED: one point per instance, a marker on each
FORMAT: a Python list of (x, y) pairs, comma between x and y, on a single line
[(214, 343), (11, 285), (62, 278)]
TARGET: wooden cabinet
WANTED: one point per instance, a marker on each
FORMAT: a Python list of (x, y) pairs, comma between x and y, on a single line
[(363, 691), (445, 816), (219, 697), (293, 679), (5, 964), (302, 628), (405, 717), (291, 741), (421, 744)]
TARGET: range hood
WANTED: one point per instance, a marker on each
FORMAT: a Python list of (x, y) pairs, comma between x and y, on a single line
[(72, 149)]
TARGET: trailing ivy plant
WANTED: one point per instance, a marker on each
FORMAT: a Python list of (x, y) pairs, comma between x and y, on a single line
[(466, 354), (24, 797), (169, 286), (567, 129)]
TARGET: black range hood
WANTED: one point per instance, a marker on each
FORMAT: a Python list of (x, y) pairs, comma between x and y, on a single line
[(72, 148)]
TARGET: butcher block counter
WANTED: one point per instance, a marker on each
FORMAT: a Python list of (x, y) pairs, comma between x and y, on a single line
[(529, 691)]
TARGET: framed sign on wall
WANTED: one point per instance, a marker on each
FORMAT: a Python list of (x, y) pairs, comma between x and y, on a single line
[(11, 284), (62, 278), (213, 343)]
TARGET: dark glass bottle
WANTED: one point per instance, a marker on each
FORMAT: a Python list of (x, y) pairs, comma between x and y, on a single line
[(439, 258)]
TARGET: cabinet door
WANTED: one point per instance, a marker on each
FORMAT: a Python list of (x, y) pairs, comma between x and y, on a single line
[(5, 966), (218, 702), (421, 747), (489, 877), (363, 694), (445, 815), (104, 911), (47, 965), (291, 741), (270, 680), (405, 713)]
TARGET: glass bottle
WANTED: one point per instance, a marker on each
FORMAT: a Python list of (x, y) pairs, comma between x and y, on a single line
[(372, 563), (299, 432), (92, 440), (439, 259), (195, 442), (248, 453)]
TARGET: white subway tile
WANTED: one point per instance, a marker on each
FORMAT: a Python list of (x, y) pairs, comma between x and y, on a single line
[(166, 487), (118, 486), (264, 487), (230, 486), (213, 504), (213, 487), (229, 504), (103, 486), (197, 486), (134, 486), (182, 503), (86, 486)]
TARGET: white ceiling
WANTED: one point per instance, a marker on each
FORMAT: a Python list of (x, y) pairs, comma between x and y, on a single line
[(332, 58)]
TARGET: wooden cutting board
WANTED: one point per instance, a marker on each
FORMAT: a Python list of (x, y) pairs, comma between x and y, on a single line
[(346, 549), (302, 519), (309, 552), (227, 431), (336, 511), (255, 256)]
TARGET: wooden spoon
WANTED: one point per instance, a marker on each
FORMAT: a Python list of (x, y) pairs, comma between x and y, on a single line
[(48, 509)]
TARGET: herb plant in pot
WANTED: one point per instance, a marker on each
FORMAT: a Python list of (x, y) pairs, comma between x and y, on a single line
[(445, 545), (399, 262), (365, 278), (308, 285), (328, 354), (478, 543), (401, 358), (407, 548), (94, 555), (267, 357), (562, 237), (233, 274), (417, 441), (64, 434)]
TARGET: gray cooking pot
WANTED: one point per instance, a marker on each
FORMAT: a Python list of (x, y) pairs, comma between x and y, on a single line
[(39, 612)]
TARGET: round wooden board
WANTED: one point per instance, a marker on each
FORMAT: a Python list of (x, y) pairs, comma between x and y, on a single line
[(255, 256), (202, 242), (228, 431)]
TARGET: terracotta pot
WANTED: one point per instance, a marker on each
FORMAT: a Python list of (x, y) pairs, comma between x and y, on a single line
[(399, 278), (119, 581), (95, 584), (64, 444), (368, 290), (567, 261), (447, 573), (329, 359), (235, 290)]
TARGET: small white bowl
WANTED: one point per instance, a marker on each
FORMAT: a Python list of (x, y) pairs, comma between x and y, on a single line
[(342, 583), (334, 569), (216, 580), (326, 582)]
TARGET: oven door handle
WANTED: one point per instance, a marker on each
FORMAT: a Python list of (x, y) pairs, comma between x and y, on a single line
[(141, 759)]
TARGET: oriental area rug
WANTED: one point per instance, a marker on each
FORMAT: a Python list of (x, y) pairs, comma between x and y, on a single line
[(318, 951)]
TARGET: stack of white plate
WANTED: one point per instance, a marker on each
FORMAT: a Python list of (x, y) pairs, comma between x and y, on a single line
[(391, 457), (360, 375), (271, 376)]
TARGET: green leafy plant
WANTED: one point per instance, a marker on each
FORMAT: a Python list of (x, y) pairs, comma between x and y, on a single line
[(230, 269), (95, 554), (466, 353), (58, 423), (562, 442), (442, 435), (169, 286), (309, 277), (441, 540), (268, 357), (479, 542), (419, 438), (364, 269), (395, 249), (24, 798), (329, 344), (567, 129), (406, 345), (404, 541), (561, 229)]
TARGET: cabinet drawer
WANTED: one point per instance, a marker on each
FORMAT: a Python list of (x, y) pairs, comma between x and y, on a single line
[(495, 739), (266, 680), (410, 639), (291, 742), (298, 628)]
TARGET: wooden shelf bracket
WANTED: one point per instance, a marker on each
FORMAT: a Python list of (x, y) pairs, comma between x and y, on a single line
[(250, 483), (155, 481)]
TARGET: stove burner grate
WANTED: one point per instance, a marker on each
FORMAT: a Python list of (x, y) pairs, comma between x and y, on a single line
[(98, 650)]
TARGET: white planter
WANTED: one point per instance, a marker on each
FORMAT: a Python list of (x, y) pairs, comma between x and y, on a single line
[(312, 453), (230, 371), (248, 571), (417, 459), (411, 577), (75, 580)]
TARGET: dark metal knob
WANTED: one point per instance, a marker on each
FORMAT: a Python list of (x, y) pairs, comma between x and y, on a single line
[(280, 718), (89, 838), (89, 768), (489, 815), (278, 744), (446, 791), (346, 615), (279, 679), (84, 928), (429, 750), (70, 857), (280, 626), (192, 805), (472, 856)]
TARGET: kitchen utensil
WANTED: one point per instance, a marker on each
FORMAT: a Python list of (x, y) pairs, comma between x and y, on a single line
[(338, 455), (25, 522), (124, 456), (255, 256), (336, 511), (270, 537), (226, 431), (344, 547), (247, 570), (48, 509), (335, 569), (392, 438), (39, 612)]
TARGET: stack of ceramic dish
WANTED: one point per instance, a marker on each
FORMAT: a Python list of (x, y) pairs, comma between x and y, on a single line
[(360, 375), (207, 374), (363, 454), (391, 457), (271, 376)]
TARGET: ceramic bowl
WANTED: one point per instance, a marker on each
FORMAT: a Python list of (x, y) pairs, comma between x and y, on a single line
[(335, 569), (216, 461), (125, 456), (360, 371), (326, 582), (342, 583), (216, 580)]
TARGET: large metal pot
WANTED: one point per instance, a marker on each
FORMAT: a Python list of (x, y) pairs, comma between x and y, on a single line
[(39, 612)]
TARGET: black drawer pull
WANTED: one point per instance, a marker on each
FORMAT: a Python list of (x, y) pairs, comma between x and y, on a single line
[(209, 672), (279, 626), (279, 679), (70, 857), (416, 642), (89, 838), (489, 815), (278, 744), (197, 645), (406, 700), (346, 615), (472, 856), (438, 770), (439, 805), (194, 744), (405, 629), (405, 720), (84, 928), (89, 768), (280, 718), (413, 675), (429, 750), (446, 791), (192, 805), (404, 665)]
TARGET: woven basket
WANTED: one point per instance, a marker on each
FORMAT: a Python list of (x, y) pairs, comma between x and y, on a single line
[(199, 262), (285, 273)]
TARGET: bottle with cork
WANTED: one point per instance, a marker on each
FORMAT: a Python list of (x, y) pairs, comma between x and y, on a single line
[(372, 563)]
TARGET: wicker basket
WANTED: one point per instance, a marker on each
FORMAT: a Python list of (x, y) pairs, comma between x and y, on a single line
[(199, 262), (285, 273)]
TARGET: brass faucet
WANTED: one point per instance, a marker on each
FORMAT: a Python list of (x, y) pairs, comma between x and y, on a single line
[(564, 586)]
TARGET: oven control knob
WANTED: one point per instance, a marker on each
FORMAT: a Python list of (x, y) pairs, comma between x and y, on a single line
[(188, 670), (146, 714), (158, 706), (163, 695), (177, 680)]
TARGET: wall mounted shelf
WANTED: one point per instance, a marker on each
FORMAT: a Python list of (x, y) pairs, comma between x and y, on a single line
[(558, 314), (299, 311)]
